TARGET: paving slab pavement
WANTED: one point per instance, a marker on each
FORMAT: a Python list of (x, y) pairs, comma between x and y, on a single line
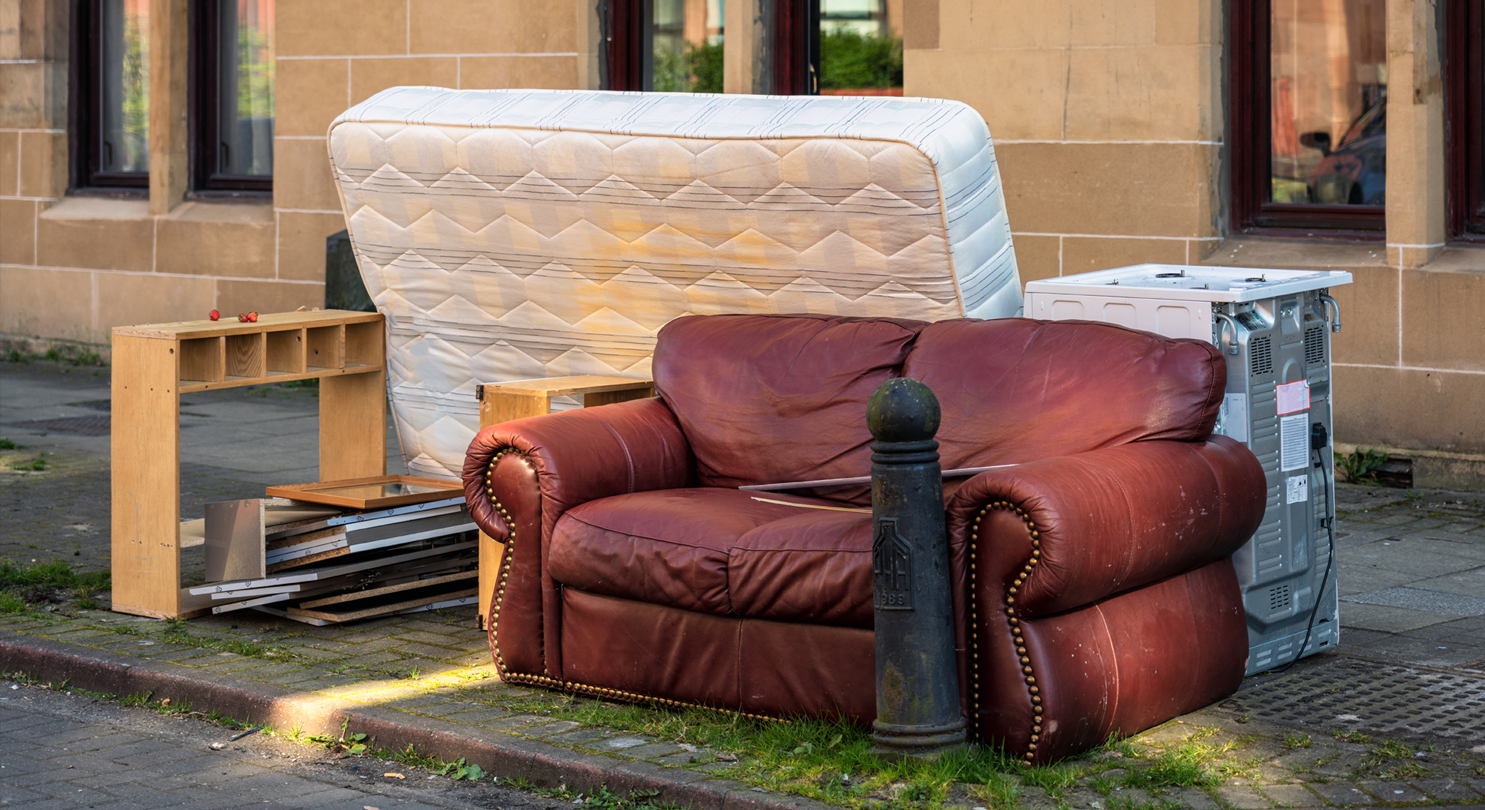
[(1410, 565), (64, 750)]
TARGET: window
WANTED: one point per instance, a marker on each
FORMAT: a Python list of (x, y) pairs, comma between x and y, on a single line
[(860, 52), (113, 78), (837, 48), (1464, 65), (669, 46), (1309, 115), (232, 95)]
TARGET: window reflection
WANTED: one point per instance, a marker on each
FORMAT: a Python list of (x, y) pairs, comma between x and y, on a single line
[(245, 92), (1329, 89), (125, 81), (687, 46), (861, 47)]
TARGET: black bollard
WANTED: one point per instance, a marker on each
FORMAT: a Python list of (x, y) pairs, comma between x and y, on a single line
[(917, 676)]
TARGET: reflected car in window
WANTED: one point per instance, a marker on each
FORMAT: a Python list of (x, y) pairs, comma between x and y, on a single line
[(1355, 173)]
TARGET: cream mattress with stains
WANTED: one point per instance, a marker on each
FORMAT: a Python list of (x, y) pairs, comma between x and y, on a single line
[(516, 234)]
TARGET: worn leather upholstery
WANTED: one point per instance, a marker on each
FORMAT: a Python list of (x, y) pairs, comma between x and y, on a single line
[(1091, 579), (788, 408)]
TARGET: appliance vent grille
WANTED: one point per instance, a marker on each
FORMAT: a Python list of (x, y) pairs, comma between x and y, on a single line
[(1278, 598), (1315, 346), (1260, 357)]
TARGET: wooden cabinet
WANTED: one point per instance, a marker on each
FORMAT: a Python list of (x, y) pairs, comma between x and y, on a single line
[(502, 402), (153, 365)]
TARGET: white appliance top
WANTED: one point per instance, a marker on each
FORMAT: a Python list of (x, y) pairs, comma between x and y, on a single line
[(1191, 282)]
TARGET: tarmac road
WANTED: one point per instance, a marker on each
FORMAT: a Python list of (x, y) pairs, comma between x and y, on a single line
[(61, 750)]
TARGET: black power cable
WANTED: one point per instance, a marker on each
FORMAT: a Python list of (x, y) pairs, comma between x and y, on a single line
[(1318, 441)]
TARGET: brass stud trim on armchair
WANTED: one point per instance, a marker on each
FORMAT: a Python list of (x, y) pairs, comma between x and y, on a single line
[(505, 562), (1010, 609)]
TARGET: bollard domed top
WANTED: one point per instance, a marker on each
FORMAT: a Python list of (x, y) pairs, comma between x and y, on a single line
[(902, 410)]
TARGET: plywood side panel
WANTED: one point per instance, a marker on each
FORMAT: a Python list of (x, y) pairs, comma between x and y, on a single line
[(146, 477), (325, 346), (353, 426), (202, 359), (499, 406), (286, 351), (492, 554)]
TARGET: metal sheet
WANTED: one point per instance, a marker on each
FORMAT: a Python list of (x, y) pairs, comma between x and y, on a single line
[(234, 540)]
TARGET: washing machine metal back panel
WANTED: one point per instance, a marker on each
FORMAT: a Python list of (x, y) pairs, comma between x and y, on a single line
[(1283, 341), (1283, 345)]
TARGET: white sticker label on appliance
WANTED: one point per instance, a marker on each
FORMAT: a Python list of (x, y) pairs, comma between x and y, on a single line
[(1294, 442), (1234, 421), (1299, 489), (1294, 396)]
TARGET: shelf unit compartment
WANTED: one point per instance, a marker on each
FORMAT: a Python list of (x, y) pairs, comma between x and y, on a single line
[(246, 355), (286, 352), (324, 346), (363, 344), (203, 360)]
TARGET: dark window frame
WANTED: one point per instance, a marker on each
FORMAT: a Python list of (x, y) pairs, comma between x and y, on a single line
[(796, 47), (204, 54), (1251, 143), (86, 91), (622, 60), (1464, 82)]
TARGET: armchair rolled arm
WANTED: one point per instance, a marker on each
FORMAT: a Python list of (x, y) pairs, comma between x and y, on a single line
[(1077, 529), (578, 456)]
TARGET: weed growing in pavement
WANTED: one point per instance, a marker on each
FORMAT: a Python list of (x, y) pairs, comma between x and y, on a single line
[(1393, 760), (1192, 762), (1122, 803), (351, 743), (600, 797), (34, 465), (1360, 467), (828, 761), (176, 633), (1055, 780), (1294, 739), (999, 791), (55, 574), (73, 355), (456, 770), (7, 444), (46, 582), (1352, 736)]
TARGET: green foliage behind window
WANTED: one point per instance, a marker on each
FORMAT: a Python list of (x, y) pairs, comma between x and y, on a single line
[(706, 67), (696, 70), (850, 60)]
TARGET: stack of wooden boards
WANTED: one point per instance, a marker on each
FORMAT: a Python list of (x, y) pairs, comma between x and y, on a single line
[(325, 565)]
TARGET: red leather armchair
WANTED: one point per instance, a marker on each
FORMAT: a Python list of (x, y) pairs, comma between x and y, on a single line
[(1092, 583)]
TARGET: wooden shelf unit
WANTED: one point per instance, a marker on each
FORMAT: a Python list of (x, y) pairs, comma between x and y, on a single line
[(153, 365), (502, 402)]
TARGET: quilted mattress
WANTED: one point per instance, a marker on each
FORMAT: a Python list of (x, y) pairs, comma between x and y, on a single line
[(515, 234)]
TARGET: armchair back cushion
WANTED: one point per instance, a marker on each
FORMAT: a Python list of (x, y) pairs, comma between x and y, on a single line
[(766, 399), (1014, 390)]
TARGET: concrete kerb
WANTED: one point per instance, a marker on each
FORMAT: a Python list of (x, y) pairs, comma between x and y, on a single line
[(507, 755)]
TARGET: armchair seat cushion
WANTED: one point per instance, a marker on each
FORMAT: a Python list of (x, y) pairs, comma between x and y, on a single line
[(720, 551)]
